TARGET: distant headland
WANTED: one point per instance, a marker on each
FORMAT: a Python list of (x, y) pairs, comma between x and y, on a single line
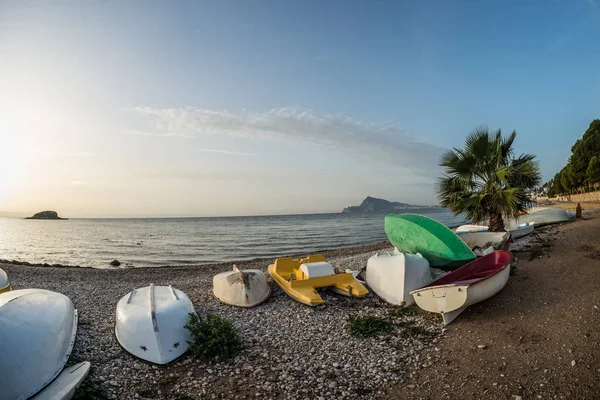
[(375, 205), (45, 215)]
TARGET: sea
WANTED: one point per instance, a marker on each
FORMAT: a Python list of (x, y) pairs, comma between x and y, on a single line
[(151, 242)]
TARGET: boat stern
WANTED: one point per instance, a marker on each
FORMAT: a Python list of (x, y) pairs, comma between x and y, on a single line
[(441, 299)]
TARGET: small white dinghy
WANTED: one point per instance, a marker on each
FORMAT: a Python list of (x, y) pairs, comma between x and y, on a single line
[(522, 230), (242, 288), (4, 282), (150, 323), (515, 232), (476, 281), (37, 333), (482, 243), (392, 276)]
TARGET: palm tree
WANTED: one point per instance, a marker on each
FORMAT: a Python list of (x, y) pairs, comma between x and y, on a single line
[(485, 182)]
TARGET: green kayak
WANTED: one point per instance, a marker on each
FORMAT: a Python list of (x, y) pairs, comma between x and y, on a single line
[(412, 233)]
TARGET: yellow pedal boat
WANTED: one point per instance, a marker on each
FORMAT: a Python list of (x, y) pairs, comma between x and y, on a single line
[(300, 279)]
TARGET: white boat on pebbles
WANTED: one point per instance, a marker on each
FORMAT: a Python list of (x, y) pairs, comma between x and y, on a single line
[(150, 323), (242, 288), (516, 232), (485, 242), (476, 281), (4, 282), (393, 275), (37, 333)]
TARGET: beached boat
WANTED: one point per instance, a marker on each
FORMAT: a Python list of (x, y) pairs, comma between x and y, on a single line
[(544, 217), (476, 281), (471, 228), (412, 233), (300, 279), (393, 275), (37, 334), (521, 230), (150, 323), (485, 242), (64, 386), (242, 288), (5, 285), (515, 232)]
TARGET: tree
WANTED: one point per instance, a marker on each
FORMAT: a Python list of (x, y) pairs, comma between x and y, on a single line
[(593, 170), (485, 181)]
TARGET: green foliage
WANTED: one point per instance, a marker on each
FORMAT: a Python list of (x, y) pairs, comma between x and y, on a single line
[(593, 170), (368, 326), (485, 181), (213, 337), (576, 175)]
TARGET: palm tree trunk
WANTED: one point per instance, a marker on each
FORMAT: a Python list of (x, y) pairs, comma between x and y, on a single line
[(496, 222)]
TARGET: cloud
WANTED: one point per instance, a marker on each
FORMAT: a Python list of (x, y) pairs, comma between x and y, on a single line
[(80, 154), (235, 153), (335, 131)]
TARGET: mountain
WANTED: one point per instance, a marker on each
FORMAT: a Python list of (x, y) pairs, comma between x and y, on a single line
[(375, 205)]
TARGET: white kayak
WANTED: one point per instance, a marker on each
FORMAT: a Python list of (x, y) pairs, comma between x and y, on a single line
[(150, 323), (485, 242), (393, 275), (242, 288), (4, 282), (37, 333), (63, 387)]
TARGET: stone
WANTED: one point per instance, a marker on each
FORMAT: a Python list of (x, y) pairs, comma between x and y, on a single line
[(573, 363), (481, 346), (115, 263), (137, 366), (332, 385)]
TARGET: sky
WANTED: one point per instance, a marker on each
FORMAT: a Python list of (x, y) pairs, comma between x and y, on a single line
[(202, 108)]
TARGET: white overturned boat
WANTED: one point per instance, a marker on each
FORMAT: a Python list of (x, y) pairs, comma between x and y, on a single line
[(63, 387), (485, 242), (476, 281), (242, 288), (150, 323), (544, 217), (37, 333), (516, 232), (522, 230), (4, 282), (392, 276)]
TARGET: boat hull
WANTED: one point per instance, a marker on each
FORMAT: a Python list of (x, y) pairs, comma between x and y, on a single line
[(5, 285), (481, 243), (412, 234), (64, 386), (521, 231), (246, 288), (451, 298), (392, 276), (150, 323), (544, 217), (288, 274), (37, 336)]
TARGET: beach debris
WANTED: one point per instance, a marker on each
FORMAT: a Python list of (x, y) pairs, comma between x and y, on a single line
[(481, 346), (115, 263)]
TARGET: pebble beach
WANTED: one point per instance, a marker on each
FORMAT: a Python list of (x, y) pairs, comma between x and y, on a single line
[(291, 351)]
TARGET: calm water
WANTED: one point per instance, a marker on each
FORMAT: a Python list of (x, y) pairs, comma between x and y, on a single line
[(183, 241)]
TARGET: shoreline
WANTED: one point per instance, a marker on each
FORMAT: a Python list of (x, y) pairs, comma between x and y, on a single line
[(350, 250), (294, 351)]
